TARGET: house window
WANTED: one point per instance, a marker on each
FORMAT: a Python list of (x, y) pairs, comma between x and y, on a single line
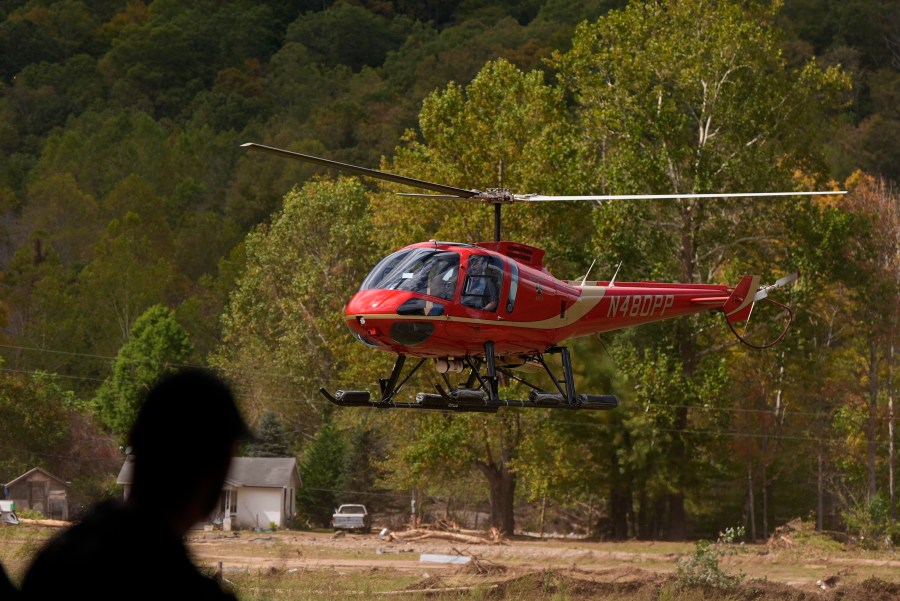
[(37, 494)]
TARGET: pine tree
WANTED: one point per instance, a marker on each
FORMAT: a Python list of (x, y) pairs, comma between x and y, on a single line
[(271, 439), (322, 470)]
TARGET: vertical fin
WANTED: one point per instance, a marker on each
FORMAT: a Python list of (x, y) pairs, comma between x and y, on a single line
[(740, 303)]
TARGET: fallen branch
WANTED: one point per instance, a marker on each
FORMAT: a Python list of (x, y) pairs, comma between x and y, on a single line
[(436, 591), (418, 534)]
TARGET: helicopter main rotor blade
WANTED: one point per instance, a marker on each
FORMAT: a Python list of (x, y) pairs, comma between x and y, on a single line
[(436, 196), (542, 198), (398, 179)]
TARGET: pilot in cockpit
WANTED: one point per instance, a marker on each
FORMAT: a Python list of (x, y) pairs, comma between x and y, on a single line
[(481, 288)]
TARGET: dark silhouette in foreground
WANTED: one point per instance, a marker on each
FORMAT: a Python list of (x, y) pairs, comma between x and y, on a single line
[(7, 590), (182, 441)]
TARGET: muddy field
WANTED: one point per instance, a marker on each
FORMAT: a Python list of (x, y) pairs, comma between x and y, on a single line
[(318, 565), (557, 569)]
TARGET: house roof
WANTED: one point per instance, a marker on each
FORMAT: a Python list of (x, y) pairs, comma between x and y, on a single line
[(33, 471), (261, 472)]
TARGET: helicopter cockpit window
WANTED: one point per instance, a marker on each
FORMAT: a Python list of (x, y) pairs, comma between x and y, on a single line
[(422, 270), (483, 282), (513, 287)]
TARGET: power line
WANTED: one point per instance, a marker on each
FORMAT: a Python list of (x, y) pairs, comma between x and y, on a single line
[(313, 398)]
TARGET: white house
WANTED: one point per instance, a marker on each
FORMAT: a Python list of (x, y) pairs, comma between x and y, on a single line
[(258, 491)]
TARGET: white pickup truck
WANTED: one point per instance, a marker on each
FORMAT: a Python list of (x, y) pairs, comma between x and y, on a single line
[(352, 517)]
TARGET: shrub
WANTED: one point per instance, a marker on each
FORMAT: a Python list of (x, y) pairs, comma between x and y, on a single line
[(703, 569), (870, 522)]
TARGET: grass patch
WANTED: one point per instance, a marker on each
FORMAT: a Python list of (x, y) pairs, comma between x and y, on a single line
[(301, 584)]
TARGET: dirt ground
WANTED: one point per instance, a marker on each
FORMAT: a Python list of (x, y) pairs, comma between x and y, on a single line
[(584, 570), (322, 565)]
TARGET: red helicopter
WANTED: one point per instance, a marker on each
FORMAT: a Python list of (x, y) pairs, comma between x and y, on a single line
[(491, 309)]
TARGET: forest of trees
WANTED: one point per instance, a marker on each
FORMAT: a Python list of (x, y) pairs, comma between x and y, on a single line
[(137, 236)]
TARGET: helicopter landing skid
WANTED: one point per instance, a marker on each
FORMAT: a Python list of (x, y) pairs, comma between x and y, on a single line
[(480, 392)]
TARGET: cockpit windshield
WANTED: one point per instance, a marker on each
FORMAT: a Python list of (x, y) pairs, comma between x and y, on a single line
[(422, 270)]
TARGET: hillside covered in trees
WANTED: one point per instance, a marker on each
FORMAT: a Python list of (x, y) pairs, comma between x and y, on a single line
[(137, 236)]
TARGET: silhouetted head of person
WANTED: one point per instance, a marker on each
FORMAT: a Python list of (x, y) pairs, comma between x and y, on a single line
[(182, 441)]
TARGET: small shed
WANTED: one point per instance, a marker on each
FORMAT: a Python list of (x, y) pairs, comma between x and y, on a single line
[(260, 491), (40, 490)]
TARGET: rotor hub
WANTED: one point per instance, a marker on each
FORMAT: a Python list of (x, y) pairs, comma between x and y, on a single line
[(496, 196)]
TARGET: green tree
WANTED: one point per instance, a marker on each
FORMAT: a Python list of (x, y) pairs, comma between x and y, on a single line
[(46, 94), (111, 283), (22, 41), (44, 425), (34, 413), (350, 35), (66, 215), (271, 440), (283, 334), (321, 470), (365, 444), (865, 353), (156, 345), (690, 97), (505, 128), (177, 52)]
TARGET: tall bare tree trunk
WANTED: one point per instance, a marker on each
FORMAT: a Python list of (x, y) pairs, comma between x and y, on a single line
[(891, 424), (765, 500), (820, 492), (872, 421), (543, 513), (677, 522), (751, 512)]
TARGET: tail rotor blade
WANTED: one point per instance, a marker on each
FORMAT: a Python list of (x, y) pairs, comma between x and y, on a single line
[(781, 282), (788, 279)]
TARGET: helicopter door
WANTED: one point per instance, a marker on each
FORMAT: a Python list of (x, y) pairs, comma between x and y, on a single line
[(484, 282)]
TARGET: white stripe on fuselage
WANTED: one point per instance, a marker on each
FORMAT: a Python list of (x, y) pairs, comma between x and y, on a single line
[(590, 298)]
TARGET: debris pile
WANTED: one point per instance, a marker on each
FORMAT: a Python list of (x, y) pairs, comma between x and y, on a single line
[(784, 536), (478, 565)]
